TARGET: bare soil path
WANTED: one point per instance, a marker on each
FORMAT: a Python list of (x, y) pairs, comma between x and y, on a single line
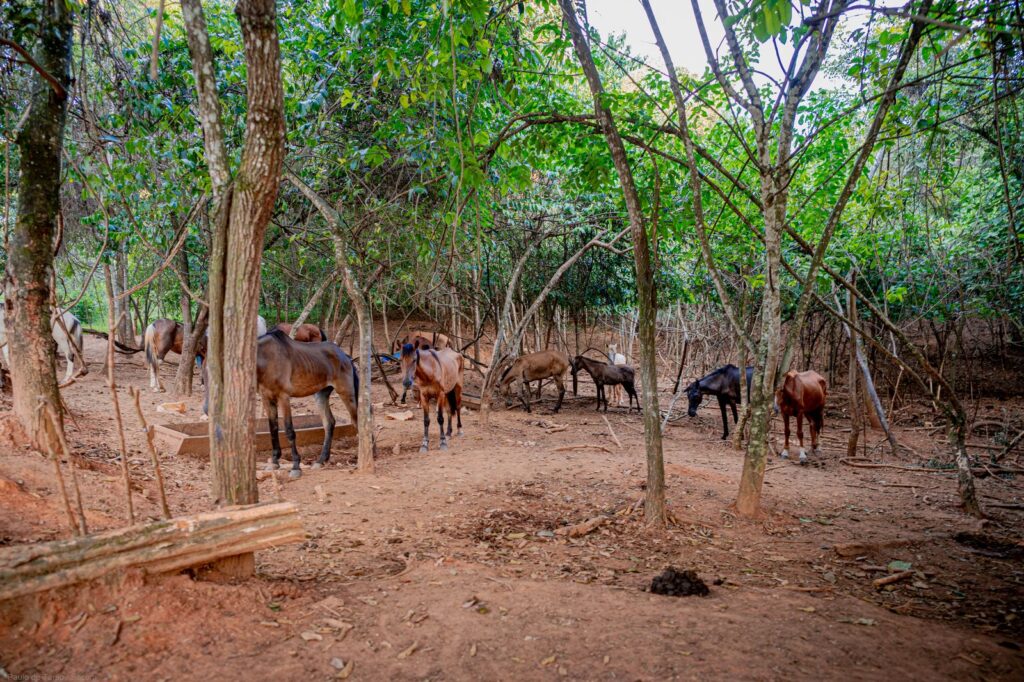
[(447, 565)]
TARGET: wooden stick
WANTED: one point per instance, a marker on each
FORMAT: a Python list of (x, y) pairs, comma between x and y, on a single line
[(155, 547), (612, 431), (582, 446), (52, 414), (134, 393), (111, 327), (890, 579), (60, 484)]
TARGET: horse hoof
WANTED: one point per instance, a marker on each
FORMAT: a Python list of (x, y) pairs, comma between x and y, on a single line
[(317, 465), (460, 434), (272, 467), (444, 446), (803, 457), (423, 448), (784, 454), (294, 473)]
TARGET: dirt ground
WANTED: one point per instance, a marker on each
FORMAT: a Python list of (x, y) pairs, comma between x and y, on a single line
[(445, 565)]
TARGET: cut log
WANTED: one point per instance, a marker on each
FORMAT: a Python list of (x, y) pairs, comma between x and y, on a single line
[(157, 547), (890, 579)]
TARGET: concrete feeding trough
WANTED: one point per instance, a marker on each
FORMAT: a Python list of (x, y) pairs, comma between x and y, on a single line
[(193, 438)]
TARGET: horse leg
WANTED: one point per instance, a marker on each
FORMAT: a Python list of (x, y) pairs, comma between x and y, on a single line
[(440, 421), (404, 391), (785, 428), (524, 394), (289, 431), (725, 417), (323, 401), (800, 435), (735, 414), (458, 407), (154, 374), (425, 406), (270, 408), (561, 393), (814, 420)]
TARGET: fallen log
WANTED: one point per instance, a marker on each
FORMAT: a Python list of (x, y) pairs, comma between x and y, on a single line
[(157, 547)]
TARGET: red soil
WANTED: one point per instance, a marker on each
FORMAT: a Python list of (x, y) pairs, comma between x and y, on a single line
[(433, 567)]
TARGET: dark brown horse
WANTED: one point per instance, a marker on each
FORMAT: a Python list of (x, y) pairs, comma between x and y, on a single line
[(802, 393), (288, 369), (438, 376), (307, 333), (603, 375), (162, 337)]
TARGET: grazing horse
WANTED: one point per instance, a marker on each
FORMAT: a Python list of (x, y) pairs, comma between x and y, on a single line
[(421, 340), (802, 393), (438, 375), (616, 358), (533, 367), (603, 375), (165, 336), (162, 337), (307, 333), (69, 343), (723, 383), (288, 369)]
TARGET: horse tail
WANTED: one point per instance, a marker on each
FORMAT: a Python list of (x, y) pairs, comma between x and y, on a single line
[(355, 384), (452, 402), (323, 335), (148, 344)]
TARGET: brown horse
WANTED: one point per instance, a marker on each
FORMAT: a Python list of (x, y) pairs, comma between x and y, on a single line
[(536, 367), (437, 374), (423, 340), (307, 333), (288, 369), (162, 337), (802, 393)]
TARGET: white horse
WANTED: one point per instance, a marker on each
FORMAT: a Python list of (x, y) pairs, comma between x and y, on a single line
[(616, 358), (64, 343)]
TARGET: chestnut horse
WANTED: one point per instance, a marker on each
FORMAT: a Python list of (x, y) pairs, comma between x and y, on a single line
[(307, 333), (438, 376), (288, 369), (802, 393), (162, 337), (423, 340)]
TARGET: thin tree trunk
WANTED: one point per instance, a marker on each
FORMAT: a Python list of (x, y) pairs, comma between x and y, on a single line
[(654, 506), (364, 320), (855, 400), (30, 250)]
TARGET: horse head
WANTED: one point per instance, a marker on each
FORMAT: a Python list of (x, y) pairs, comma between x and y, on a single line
[(695, 396), (410, 358)]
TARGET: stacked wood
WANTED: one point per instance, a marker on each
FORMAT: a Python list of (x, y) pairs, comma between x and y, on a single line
[(157, 547)]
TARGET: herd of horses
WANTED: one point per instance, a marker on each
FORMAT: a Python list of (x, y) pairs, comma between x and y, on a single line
[(311, 365)]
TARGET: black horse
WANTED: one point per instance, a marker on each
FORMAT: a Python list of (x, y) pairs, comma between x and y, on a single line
[(724, 383)]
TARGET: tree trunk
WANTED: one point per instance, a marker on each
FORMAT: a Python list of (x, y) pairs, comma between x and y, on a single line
[(855, 400), (122, 306), (30, 249), (242, 212), (654, 506)]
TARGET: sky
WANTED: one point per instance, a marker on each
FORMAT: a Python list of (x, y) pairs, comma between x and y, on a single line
[(677, 23)]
